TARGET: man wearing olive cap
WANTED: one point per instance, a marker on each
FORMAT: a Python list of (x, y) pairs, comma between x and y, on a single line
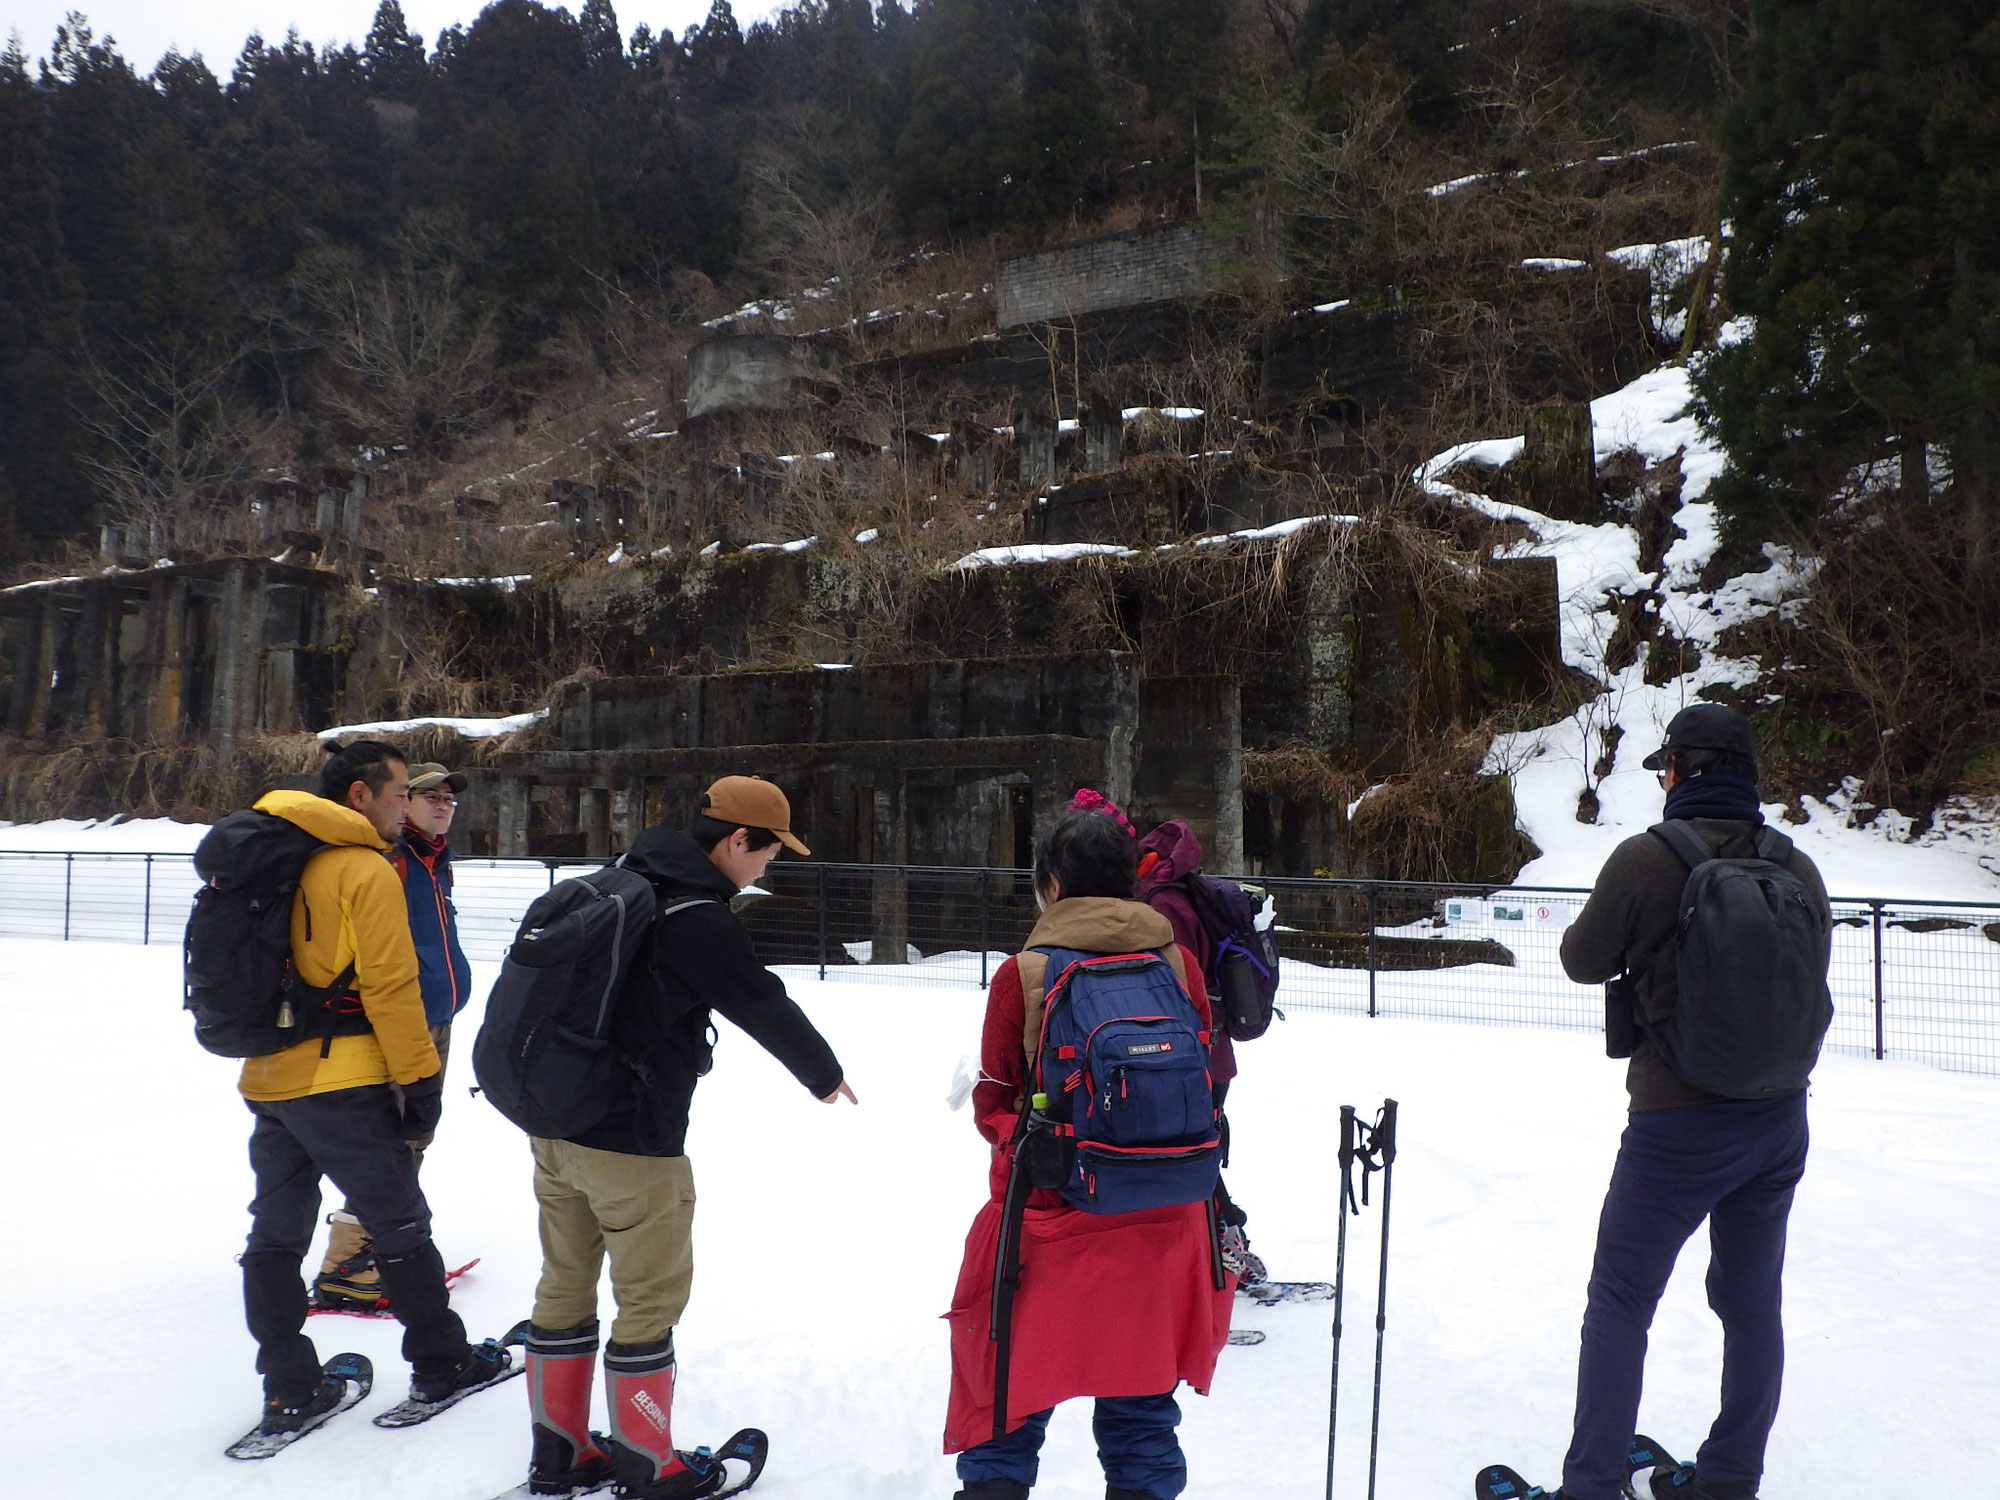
[(624, 1187), (1687, 1154)]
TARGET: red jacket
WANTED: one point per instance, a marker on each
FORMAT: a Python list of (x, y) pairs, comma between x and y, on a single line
[(1109, 1304)]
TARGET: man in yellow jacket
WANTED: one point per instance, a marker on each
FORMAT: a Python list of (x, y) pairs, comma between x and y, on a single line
[(345, 1106)]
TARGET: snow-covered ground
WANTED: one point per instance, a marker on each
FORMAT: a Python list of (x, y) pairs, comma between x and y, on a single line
[(828, 1239)]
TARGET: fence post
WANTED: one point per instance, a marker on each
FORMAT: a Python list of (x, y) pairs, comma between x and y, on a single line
[(985, 915), (1374, 914), (146, 913), (69, 869), (1875, 913), (821, 903)]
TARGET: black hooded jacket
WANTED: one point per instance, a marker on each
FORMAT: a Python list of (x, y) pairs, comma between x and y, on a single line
[(702, 960)]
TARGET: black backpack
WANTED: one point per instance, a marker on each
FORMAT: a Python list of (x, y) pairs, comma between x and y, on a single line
[(1242, 971), (1752, 948), (237, 973), (545, 1055)]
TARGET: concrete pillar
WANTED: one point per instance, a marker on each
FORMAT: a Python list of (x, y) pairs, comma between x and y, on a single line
[(239, 656), (166, 628), (97, 655), (1035, 445), (510, 815), (1227, 855), (1558, 464), (891, 924), (1103, 434), (1327, 628), (42, 668), (593, 819)]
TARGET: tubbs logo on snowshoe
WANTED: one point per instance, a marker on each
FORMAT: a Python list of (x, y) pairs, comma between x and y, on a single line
[(648, 1408)]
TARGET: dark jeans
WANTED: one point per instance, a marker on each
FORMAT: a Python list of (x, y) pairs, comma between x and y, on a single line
[(1735, 1163), (353, 1137), (1135, 1443)]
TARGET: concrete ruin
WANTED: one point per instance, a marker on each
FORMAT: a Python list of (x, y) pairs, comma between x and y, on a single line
[(945, 741)]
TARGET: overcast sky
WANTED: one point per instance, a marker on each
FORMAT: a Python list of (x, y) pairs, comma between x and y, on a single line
[(146, 29)]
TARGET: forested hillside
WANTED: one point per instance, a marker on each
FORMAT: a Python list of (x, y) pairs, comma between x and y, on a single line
[(441, 259), (210, 269)]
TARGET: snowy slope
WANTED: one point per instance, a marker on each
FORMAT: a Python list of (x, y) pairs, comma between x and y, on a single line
[(828, 1239), (1959, 860)]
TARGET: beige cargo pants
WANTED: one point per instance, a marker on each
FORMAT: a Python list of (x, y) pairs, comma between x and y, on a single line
[(639, 1211)]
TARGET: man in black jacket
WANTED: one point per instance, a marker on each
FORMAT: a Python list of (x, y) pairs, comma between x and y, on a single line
[(623, 1188), (1686, 1154)]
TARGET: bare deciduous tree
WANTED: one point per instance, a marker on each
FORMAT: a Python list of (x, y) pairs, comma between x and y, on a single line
[(408, 356), (173, 428)]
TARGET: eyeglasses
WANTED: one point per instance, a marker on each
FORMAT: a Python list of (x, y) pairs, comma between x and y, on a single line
[(439, 799)]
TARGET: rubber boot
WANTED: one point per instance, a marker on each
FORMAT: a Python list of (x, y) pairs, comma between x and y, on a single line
[(348, 1279), (639, 1379), (562, 1367)]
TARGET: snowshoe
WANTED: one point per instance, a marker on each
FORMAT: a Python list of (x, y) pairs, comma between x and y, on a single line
[(1498, 1482), (1244, 1338), (1271, 1293), (343, 1381), (490, 1364)]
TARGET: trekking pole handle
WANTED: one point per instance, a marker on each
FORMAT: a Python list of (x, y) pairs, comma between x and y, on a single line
[(1385, 1133)]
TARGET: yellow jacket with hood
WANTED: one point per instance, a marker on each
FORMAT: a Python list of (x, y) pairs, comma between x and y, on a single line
[(349, 909)]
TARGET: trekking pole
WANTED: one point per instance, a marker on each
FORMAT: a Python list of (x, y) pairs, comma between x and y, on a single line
[(1007, 1266), (1382, 1151), (1346, 1199)]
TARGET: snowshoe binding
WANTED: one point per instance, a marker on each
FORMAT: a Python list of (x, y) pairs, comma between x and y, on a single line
[(489, 1363)]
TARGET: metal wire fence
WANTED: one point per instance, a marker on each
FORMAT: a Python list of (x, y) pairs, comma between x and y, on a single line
[(1911, 979)]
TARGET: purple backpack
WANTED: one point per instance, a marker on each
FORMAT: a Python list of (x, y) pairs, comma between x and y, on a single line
[(1243, 964)]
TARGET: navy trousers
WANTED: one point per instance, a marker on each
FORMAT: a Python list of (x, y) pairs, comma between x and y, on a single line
[(1135, 1443), (1735, 1163), (354, 1137)]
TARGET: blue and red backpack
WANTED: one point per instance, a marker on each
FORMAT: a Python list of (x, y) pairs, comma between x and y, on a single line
[(1123, 1061)]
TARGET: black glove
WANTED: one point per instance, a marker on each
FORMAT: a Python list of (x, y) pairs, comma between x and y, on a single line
[(423, 1103)]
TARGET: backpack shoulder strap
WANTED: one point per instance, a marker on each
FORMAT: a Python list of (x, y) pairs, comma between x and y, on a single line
[(1680, 837), (1032, 965), (1774, 846)]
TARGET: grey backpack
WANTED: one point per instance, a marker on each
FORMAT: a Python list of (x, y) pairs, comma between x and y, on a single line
[(1752, 955)]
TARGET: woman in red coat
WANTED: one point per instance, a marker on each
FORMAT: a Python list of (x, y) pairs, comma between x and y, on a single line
[(1122, 1307)]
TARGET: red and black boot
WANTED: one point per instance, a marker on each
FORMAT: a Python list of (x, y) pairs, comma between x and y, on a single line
[(568, 1458), (640, 1378)]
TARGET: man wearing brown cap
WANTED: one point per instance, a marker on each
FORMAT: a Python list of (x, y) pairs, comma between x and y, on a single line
[(348, 1278), (1726, 1144), (624, 1189)]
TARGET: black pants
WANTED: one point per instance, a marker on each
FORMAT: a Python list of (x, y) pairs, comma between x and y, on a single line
[(352, 1136), (1736, 1164)]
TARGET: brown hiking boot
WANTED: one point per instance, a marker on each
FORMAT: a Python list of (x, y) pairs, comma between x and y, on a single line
[(348, 1280)]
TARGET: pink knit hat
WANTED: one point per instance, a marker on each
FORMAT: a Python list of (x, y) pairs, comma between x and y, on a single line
[(1086, 800)]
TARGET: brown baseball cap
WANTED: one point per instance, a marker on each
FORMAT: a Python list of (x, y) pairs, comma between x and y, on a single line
[(428, 774), (755, 803)]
